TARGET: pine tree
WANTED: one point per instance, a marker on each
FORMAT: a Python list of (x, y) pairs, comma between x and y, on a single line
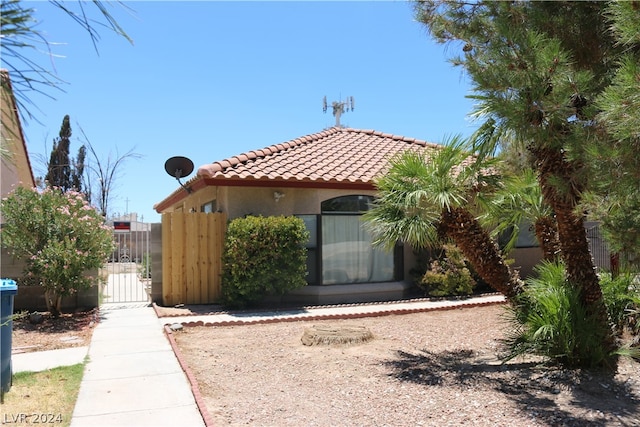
[(63, 171), (616, 197), (59, 168), (78, 171), (537, 68)]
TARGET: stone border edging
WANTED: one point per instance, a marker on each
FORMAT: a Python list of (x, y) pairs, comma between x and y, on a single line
[(338, 316), (195, 390), (155, 309), (356, 304)]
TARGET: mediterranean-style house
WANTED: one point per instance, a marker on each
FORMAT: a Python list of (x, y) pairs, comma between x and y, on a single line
[(327, 179)]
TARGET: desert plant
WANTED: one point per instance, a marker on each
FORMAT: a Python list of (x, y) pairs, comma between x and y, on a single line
[(448, 275), (622, 297), (60, 237), (263, 256), (550, 321)]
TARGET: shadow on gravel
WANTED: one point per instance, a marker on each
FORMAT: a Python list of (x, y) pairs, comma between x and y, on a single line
[(533, 387)]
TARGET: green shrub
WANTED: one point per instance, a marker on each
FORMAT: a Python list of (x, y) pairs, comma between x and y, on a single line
[(622, 297), (60, 237), (448, 275), (551, 321), (263, 256)]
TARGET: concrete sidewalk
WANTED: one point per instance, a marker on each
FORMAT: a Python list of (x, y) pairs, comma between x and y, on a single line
[(133, 377), (45, 360)]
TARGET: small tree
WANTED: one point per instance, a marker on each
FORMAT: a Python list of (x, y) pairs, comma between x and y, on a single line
[(519, 201), (59, 235), (103, 172)]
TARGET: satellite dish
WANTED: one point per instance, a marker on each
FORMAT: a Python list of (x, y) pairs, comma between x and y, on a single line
[(179, 167)]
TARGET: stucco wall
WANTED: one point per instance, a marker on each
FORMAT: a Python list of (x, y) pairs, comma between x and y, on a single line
[(241, 201)]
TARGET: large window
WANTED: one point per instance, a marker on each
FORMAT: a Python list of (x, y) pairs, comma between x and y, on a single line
[(340, 248)]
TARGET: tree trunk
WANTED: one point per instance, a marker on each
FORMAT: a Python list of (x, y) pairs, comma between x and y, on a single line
[(562, 192), (482, 252), (54, 302), (547, 235)]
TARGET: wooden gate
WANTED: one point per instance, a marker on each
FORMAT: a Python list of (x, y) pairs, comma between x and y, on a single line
[(192, 245)]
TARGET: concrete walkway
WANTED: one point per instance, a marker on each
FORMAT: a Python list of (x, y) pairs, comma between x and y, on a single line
[(133, 377)]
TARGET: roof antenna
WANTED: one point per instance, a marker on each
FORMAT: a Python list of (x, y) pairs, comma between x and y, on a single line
[(339, 107), (179, 167)]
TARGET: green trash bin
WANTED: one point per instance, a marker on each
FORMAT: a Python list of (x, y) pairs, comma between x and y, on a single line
[(8, 289)]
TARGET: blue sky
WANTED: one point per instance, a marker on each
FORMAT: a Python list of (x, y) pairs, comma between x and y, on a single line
[(208, 80)]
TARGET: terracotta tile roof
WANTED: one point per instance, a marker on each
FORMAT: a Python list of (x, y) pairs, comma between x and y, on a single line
[(337, 157)]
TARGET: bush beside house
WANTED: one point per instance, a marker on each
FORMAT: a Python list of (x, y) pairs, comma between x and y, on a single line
[(59, 236), (447, 275), (263, 256)]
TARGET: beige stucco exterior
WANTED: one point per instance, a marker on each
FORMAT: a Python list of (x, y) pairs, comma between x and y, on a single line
[(238, 201)]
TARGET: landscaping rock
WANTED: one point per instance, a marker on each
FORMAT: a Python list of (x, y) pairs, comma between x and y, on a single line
[(176, 327), (36, 318)]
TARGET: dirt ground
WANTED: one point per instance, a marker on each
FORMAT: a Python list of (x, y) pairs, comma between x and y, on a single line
[(436, 368), (68, 330)]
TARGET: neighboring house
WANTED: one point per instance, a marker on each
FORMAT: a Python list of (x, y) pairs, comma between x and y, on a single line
[(327, 180), (131, 238), (16, 167)]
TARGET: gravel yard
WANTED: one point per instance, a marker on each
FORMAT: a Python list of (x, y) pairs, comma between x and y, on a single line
[(436, 368)]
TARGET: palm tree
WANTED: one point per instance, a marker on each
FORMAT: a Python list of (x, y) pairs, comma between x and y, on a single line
[(424, 200), (519, 201)]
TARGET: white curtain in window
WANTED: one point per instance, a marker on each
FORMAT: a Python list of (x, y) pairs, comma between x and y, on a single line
[(347, 253)]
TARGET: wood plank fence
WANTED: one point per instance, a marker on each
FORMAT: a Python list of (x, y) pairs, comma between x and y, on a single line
[(192, 245)]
